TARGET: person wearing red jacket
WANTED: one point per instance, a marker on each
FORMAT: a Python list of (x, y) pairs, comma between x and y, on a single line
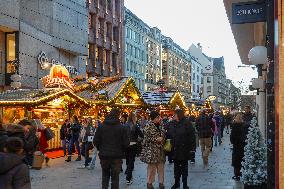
[(43, 145)]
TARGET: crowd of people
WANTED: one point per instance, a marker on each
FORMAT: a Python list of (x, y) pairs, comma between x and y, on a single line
[(120, 136)]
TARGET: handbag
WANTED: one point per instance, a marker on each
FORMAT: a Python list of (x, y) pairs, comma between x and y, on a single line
[(38, 159), (168, 145), (48, 133)]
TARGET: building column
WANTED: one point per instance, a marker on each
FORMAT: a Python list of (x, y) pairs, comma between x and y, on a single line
[(261, 111)]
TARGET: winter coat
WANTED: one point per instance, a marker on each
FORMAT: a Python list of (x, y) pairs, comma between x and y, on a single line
[(152, 152), (134, 132), (85, 132), (75, 130), (183, 140), (64, 131), (3, 138), (237, 138), (247, 117), (111, 139), (217, 124), (204, 126), (14, 174), (31, 142), (43, 145)]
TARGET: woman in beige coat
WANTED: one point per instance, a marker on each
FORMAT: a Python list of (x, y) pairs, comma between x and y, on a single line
[(152, 150)]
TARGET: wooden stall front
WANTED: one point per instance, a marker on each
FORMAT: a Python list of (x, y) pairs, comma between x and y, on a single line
[(51, 106)]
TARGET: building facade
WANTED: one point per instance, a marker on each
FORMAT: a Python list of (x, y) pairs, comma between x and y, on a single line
[(220, 86), (34, 34), (234, 96), (106, 37), (202, 67), (135, 49), (153, 43), (176, 67)]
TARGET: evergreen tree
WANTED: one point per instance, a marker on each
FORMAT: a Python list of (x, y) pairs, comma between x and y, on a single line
[(254, 164)]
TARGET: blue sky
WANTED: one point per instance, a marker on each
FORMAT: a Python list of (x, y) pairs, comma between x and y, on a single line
[(195, 21)]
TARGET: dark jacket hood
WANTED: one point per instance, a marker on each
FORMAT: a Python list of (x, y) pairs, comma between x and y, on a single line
[(111, 121), (8, 161)]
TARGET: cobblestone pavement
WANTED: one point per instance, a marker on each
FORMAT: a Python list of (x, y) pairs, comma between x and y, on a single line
[(63, 175)]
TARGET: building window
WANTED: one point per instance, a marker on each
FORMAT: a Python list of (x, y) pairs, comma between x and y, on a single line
[(127, 64), (197, 69), (193, 88), (209, 88), (197, 77), (208, 79), (11, 53), (193, 76)]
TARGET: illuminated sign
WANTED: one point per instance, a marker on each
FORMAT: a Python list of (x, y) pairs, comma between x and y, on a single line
[(46, 63), (211, 98), (58, 77)]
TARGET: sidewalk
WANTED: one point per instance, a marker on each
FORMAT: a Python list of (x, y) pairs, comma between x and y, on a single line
[(62, 175)]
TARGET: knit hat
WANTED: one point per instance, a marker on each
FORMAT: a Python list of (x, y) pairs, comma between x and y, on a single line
[(154, 114)]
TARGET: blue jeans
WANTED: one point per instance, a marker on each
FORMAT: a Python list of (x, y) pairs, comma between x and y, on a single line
[(72, 141), (64, 146), (85, 152), (217, 137), (94, 157)]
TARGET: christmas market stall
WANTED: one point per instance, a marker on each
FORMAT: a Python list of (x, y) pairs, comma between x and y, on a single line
[(197, 104), (51, 106), (166, 102), (106, 93)]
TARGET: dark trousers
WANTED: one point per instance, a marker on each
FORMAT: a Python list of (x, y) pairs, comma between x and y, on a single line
[(237, 171), (28, 159), (74, 140), (181, 169), (110, 168), (85, 152), (130, 159)]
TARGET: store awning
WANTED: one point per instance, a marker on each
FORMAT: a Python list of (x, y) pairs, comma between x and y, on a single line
[(120, 91), (36, 97), (170, 99)]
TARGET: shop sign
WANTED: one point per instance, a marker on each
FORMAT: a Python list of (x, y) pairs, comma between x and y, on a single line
[(46, 63), (248, 12), (58, 77), (211, 97)]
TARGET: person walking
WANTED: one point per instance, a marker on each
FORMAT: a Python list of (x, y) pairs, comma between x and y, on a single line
[(75, 132), (31, 141), (237, 138), (64, 137), (14, 173), (247, 117), (134, 132), (95, 150), (111, 140), (152, 150), (204, 128), (183, 144), (86, 137), (217, 128)]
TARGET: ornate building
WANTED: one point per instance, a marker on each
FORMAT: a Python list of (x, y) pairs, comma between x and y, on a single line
[(153, 43), (135, 48), (106, 37), (176, 67)]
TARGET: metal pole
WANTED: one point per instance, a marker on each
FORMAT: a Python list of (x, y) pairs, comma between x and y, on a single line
[(270, 96)]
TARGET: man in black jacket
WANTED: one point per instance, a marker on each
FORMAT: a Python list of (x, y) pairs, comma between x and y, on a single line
[(204, 128), (111, 140), (183, 143)]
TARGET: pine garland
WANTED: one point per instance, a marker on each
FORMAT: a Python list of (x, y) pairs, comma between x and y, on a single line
[(254, 165)]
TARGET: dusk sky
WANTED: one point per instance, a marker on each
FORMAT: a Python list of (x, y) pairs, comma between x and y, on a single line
[(195, 21)]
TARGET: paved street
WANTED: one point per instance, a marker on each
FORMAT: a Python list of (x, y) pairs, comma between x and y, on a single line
[(62, 175)]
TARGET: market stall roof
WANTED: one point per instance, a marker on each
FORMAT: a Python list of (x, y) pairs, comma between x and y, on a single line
[(172, 99), (111, 91), (35, 97)]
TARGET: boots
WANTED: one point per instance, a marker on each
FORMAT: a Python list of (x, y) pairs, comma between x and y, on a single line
[(78, 158), (68, 159), (176, 185), (184, 181), (161, 186), (150, 186)]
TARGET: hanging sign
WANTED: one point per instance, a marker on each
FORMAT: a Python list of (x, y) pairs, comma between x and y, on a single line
[(58, 77), (46, 63), (248, 12)]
